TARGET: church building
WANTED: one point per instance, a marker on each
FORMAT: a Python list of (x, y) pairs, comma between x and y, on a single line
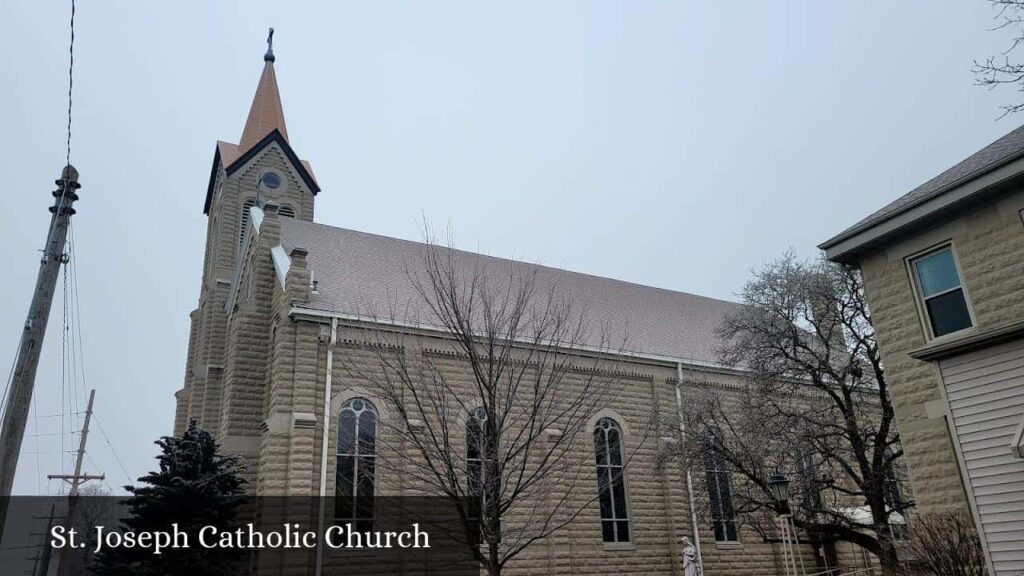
[(282, 293)]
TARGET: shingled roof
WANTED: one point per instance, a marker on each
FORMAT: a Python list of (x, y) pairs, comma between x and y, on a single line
[(365, 274), (1006, 149)]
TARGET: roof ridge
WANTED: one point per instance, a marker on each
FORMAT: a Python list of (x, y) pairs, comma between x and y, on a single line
[(545, 266)]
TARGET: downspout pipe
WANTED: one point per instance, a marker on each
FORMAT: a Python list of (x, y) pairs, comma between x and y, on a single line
[(689, 480), (325, 427)]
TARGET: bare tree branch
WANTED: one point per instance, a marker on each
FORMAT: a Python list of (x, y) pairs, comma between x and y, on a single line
[(815, 406)]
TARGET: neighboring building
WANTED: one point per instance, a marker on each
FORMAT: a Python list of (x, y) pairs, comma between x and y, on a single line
[(943, 268), (274, 281)]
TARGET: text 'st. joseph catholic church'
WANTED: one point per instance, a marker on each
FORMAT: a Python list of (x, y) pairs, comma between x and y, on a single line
[(273, 284)]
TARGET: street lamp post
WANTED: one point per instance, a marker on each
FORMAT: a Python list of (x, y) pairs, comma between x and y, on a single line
[(778, 485)]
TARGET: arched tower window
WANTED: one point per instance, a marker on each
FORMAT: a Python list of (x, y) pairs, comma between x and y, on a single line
[(249, 203), (286, 210), (356, 454), (611, 483), (723, 516)]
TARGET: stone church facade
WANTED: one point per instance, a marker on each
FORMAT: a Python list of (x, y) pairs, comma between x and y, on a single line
[(280, 291)]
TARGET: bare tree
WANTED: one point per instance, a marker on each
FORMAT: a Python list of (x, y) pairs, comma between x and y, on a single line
[(946, 544), (1000, 70), (815, 406), (493, 413)]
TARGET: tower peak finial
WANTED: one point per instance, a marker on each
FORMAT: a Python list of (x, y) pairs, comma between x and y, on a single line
[(269, 56)]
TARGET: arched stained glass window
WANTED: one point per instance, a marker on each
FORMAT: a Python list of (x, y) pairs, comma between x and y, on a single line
[(611, 484), (723, 516), (476, 463), (356, 454)]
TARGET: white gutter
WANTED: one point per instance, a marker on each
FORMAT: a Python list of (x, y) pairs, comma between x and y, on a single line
[(689, 480), (324, 438)]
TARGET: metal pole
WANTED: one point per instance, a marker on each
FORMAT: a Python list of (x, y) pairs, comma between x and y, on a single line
[(785, 543), (796, 538), (689, 481), (789, 543), (20, 394)]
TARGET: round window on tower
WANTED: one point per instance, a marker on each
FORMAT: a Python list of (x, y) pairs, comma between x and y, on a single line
[(272, 180)]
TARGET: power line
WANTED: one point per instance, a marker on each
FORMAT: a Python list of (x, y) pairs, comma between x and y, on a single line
[(112, 450)]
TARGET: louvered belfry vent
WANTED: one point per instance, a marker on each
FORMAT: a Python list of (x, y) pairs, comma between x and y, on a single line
[(249, 203)]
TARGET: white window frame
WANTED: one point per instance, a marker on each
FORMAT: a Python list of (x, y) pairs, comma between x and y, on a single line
[(920, 300), (631, 540)]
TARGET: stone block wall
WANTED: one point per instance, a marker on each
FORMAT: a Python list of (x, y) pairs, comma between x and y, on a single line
[(989, 242)]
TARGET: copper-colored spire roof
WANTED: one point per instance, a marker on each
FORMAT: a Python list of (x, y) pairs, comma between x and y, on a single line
[(266, 113)]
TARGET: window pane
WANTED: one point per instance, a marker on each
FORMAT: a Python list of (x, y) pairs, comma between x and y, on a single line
[(614, 450), (619, 493), (344, 488), (346, 431), (937, 272), (608, 531), (725, 490), (730, 531), (600, 448), (474, 440), (603, 485), (364, 494), (475, 473), (367, 433), (719, 532), (948, 313)]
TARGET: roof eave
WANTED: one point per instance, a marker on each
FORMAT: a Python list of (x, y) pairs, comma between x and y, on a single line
[(213, 178), (847, 246), (275, 136)]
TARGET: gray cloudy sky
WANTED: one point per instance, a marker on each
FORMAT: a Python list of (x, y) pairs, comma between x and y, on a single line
[(677, 144)]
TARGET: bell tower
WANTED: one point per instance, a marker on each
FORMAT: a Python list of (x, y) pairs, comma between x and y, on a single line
[(262, 168)]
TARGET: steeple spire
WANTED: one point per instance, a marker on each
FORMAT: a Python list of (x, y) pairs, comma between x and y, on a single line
[(266, 112)]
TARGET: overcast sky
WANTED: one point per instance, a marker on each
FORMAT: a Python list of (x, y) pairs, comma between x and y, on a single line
[(676, 144)]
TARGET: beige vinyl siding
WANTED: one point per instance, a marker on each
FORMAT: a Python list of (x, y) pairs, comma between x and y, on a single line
[(985, 390)]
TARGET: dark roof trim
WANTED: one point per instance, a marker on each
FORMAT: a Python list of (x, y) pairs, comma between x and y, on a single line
[(213, 178), (969, 343), (846, 246), (274, 136)]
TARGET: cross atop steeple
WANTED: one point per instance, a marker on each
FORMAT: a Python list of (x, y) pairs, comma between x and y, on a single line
[(269, 56)]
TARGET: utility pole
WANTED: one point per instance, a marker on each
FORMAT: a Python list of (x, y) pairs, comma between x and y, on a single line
[(76, 480), (23, 378), (42, 566)]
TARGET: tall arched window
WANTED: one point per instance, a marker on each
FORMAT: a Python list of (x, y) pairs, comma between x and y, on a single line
[(894, 497), (249, 203), (357, 452), (476, 460), (723, 516), (611, 484), (807, 470)]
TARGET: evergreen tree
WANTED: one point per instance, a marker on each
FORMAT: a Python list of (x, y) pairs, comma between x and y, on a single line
[(194, 487)]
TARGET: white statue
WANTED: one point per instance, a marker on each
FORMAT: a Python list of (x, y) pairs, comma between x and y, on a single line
[(691, 564)]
